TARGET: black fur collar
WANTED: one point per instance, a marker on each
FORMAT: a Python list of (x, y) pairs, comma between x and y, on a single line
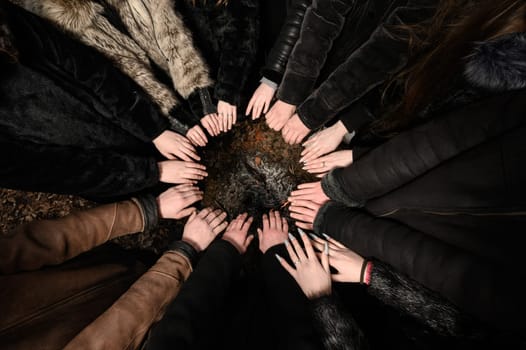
[(499, 64)]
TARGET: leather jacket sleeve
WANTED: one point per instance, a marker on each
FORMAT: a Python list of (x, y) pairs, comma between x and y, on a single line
[(415, 152), (287, 38), (50, 242), (125, 324)]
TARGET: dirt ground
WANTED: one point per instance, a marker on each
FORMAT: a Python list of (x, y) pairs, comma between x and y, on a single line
[(250, 169)]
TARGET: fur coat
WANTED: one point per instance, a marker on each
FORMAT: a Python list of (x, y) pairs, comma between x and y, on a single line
[(227, 35), (70, 122), (156, 33)]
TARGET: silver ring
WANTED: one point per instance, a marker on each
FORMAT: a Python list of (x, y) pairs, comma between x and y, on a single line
[(323, 164), (296, 262)]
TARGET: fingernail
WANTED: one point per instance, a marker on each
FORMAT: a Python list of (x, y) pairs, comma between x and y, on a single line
[(325, 236), (278, 257), (313, 236), (302, 233), (291, 237), (287, 242), (326, 249)]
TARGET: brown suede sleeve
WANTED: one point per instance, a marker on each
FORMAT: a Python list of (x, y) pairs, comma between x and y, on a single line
[(126, 322), (50, 242)]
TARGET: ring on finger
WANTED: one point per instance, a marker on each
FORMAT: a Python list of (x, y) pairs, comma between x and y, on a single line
[(296, 262), (323, 164)]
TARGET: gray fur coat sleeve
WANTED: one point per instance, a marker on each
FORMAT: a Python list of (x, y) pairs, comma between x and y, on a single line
[(424, 305), (337, 329), (156, 31)]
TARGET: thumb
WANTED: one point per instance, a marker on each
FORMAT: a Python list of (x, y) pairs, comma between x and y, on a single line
[(192, 217), (185, 212)]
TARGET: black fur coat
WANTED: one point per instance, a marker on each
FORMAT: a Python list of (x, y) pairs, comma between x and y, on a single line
[(227, 36), (70, 121)]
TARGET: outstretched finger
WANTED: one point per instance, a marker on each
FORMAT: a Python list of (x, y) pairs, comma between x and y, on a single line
[(266, 223), (297, 247), (333, 241), (220, 228), (306, 244), (286, 266), (250, 106), (246, 224)]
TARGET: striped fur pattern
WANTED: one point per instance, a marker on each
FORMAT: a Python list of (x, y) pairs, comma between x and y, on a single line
[(156, 33)]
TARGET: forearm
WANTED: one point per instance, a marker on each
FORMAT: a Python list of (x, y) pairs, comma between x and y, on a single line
[(417, 151), (94, 174), (125, 324), (287, 38), (337, 329), (454, 273), (322, 24), (188, 317), (426, 306), (381, 56), (51, 242), (238, 38)]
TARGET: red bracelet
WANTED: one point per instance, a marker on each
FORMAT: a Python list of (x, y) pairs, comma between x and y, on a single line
[(368, 270)]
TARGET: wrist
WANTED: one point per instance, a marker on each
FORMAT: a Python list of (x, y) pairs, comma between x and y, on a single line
[(198, 248), (341, 130), (365, 273)]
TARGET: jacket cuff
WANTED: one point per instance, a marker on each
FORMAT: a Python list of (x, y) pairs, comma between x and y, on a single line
[(356, 117), (150, 213), (187, 250), (272, 75), (201, 104), (314, 113), (269, 82), (333, 189), (320, 219), (294, 89), (180, 120)]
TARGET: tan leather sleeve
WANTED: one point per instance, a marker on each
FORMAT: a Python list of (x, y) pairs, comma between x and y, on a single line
[(125, 324), (50, 242)]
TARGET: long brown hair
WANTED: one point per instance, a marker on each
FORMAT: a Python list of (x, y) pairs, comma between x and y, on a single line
[(440, 46)]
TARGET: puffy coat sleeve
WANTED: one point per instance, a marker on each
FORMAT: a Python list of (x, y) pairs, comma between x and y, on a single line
[(415, 152), (369, 66), (478, 286), (237, 28), (287, 38), (322, 24)]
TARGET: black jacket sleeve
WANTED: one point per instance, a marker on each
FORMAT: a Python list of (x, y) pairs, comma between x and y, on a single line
[(200, 298), (322, 24), (238, 30), (90, 173), (480, 287), (373, 63), (415, 152), (92, 76), (337, 329), (287, 38)]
